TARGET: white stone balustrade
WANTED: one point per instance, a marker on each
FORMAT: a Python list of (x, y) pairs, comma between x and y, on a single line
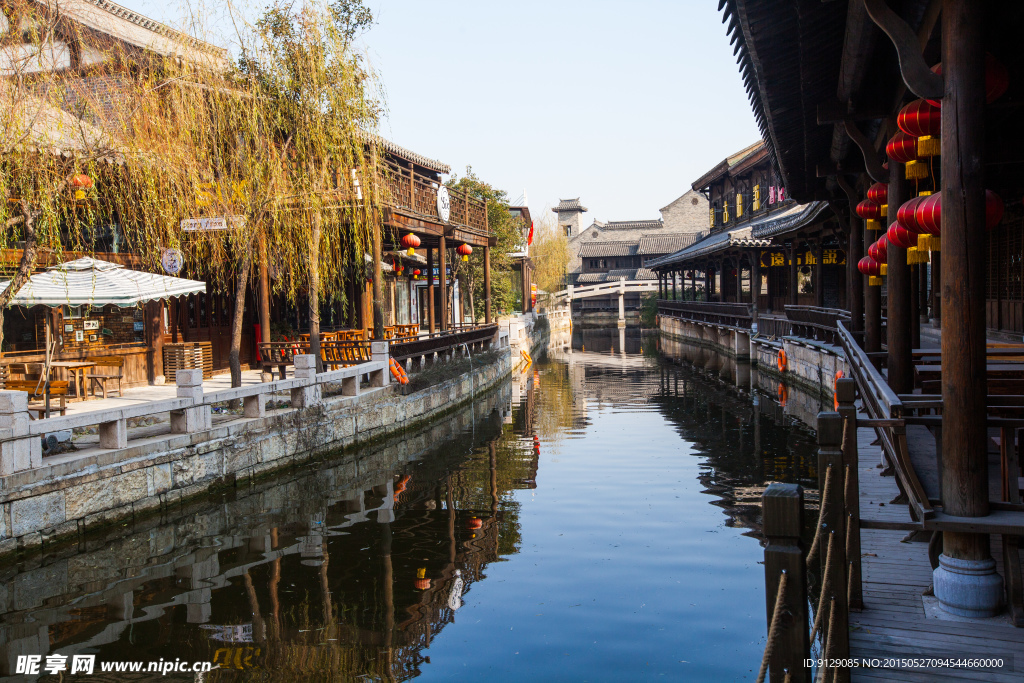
[(20, 449)]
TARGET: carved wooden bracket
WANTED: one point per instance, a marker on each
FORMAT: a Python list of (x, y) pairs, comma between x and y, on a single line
[(871, 162), (921, 80)]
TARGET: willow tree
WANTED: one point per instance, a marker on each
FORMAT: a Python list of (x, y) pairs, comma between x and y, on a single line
[(273, 149)]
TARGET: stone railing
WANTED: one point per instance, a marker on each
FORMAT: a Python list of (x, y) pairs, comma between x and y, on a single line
[(190, 410)]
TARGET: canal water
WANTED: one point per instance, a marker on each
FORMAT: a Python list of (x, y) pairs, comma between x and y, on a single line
[(595, 519)]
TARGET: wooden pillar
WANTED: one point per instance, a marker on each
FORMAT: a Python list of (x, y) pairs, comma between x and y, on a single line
[(793, 300), (739, 280), (819, 273), (936, 288), (155, 341), (487, 285), (673, 275), (430, 290), (314, 292), (442, 275), (922, 293), (872, 304), (526, 294), (782, 513), (915, 311), (964, 240), (901, 369), (755, 278), (854, 278), (378, 280)]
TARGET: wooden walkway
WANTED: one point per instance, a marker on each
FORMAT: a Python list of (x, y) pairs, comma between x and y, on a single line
[(896, 574)]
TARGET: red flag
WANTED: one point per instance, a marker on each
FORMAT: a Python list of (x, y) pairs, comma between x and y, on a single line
[(529, 240)]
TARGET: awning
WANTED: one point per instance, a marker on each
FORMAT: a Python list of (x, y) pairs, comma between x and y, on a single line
[(89, 281)]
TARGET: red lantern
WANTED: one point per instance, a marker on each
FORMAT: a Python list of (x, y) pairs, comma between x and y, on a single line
[(903, 149), (997, 80), (879, 193), (922, 120), (879, 251), (929, 214), (907, 217), (416, 273), (871, 212), (869, 266), (464, 250), (410, 242), (81, 183), (900, 236)]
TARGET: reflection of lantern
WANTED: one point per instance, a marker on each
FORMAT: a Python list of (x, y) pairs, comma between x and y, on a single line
[(474, 523), (81, 183), (900, 236), (922, 120), (410, 242), (997, 80), (464, 250), (421, 583), (870, 211), (903, 148)]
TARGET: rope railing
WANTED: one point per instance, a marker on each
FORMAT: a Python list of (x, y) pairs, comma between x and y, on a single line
[(774, 629), (786, 563)]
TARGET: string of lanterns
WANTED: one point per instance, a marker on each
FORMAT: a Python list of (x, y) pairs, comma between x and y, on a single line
[(918, 221)]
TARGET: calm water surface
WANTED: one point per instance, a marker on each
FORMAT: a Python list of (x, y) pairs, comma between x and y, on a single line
[(597, 519)]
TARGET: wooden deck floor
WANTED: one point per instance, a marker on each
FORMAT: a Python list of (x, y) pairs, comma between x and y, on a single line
[(896, 574)]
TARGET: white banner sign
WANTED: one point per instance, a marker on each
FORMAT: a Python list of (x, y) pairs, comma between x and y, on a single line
[(211, 224)]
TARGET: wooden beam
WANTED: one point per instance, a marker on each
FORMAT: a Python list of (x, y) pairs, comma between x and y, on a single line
[(871, 163), (921, 80), (838, 112)]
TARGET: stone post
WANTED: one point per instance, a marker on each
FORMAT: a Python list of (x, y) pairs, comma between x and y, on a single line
[(379, 352), (21, 452), (622, 303), (305, 368), (114, 434), (197, 417)]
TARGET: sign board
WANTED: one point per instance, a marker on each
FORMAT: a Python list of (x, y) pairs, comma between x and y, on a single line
[(212, 224), (172, 261), (444, 205), (830, 257)]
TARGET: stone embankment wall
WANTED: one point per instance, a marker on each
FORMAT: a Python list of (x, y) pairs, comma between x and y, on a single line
[(811, 365), (69, 495)]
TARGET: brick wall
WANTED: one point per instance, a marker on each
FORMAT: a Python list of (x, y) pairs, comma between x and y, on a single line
[(688, 213)]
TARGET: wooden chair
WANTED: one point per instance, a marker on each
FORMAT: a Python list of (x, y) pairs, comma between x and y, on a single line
[(116, 366), (36, 392)]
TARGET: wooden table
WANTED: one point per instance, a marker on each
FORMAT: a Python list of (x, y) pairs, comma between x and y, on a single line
[(77, 369)]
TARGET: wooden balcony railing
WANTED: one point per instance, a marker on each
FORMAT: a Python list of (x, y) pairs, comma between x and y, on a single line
[(409, 190), (715, 313)]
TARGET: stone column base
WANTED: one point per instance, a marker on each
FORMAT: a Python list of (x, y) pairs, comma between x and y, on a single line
[(968, 588)]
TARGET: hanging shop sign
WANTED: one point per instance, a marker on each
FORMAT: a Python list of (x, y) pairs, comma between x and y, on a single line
[(776, 259), (212, 224), (444, 205), (172, 261)]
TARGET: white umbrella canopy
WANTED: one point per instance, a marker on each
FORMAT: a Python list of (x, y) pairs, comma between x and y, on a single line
[(89, 281)]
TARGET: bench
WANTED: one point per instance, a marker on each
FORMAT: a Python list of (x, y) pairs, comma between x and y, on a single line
[(114, 363), (36, 392)]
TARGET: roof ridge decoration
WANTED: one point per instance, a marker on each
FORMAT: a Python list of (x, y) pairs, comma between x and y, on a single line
[(569, 205), (408, 154), (155, 26)]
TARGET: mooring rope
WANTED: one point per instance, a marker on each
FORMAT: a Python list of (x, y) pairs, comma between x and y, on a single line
[(774, 629), (827, 650), (822, 502), (826, 585)]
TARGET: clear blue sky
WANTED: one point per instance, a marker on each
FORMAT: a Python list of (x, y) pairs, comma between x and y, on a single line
[(623, 104)]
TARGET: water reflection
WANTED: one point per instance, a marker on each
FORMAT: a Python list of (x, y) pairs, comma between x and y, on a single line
[(560, 528)]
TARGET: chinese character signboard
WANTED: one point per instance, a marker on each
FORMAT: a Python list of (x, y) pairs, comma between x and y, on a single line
[(777, 259)]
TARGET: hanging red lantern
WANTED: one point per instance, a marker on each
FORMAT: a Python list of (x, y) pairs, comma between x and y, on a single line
[(871, 212), (416, 273), (464, 250), (902, 148), (879, 193), (900, 236), (906, 215), (994, 208), (879, 250), (869, 266), (410, 242), (922, 120), (81, 183), (997, 80), (929, 214)]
